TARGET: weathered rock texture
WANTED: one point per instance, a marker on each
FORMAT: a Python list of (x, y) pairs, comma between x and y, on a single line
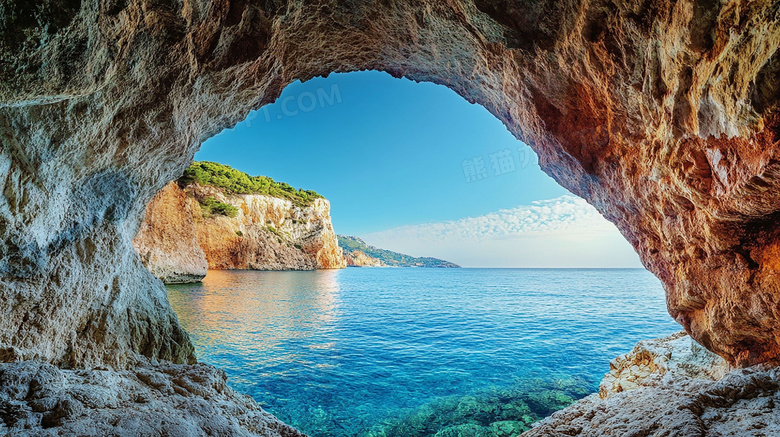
[(40, 400), (675, 388), (676, 357), (662, 114), (269, 233), (178, 243), (167, 241), (359, 259)]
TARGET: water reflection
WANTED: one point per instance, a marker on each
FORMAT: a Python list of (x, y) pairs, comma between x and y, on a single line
[(259, 310), (401, 352)]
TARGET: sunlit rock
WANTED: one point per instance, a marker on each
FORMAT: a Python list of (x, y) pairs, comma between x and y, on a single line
[(167, 241), (178, 241), (676, 356), (670, 386)]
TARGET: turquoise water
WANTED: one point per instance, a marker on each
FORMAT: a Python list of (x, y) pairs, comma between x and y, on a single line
[(416, 352)]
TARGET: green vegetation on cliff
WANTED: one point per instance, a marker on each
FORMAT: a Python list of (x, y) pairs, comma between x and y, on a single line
[(237, 182), (211, 206), (394, 259)]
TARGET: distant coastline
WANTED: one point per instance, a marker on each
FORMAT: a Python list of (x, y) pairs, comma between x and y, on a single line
[(359, 254)]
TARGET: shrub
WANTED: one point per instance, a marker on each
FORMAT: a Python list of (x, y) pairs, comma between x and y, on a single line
[(239, 233), (238, 182), (211, 206)]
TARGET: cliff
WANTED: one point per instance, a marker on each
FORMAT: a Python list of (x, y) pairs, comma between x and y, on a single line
[(268, 233), (357, 258), (359, 254), (181, 236), (167, 241)]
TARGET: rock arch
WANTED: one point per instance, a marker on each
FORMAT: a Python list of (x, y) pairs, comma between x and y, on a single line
[(662, 114)]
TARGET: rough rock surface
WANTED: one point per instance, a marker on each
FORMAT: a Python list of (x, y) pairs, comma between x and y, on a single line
[(663, 114), (38, 399), (676, 355), (178, 243), (167, 241), (268, 233), (674, 388)]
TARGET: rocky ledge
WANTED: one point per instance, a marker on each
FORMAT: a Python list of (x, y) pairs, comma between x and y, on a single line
[(673, 387), (39, 399)]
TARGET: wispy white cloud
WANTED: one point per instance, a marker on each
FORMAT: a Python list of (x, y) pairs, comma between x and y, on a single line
[(561, 232)]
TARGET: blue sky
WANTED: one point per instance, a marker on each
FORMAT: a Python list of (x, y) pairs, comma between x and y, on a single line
[(396, 156)]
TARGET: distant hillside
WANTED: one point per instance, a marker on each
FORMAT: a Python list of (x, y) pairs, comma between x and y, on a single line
[(359, 254)]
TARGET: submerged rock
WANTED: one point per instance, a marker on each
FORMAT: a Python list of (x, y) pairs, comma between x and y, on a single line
[(495, 412)]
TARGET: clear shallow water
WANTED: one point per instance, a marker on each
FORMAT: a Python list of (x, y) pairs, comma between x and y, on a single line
[(381, 352)]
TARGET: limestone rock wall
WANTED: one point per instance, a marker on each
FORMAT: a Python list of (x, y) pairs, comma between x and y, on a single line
[(663, 114), (177, 243), (167, 241), (267, 234)]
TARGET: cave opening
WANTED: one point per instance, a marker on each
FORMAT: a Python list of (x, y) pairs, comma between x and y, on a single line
[(413, 347), (663, 118)]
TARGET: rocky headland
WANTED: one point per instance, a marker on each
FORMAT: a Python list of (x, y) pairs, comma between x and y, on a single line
[(662, 114), (359, 254), (191, 226)]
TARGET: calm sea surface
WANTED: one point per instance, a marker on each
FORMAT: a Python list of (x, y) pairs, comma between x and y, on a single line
[(417, 352)]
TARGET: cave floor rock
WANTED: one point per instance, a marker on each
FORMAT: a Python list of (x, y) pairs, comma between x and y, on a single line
[(39, 399), (677, 391)]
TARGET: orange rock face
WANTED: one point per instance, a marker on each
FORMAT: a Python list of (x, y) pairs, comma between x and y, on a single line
[(167, 241), (662, 114), (178, 243), (267, 234)]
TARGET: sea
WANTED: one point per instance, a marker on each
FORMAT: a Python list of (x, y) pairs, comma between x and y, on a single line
[(382, 352)]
